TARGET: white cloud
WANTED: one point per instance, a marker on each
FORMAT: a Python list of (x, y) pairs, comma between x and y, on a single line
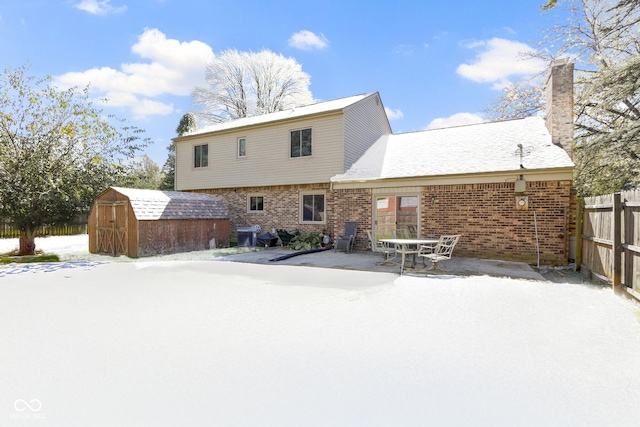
[(498, 60), (175, 68), (96, 7), (141, 108), (458, 119), (307, 40), (393, 114)]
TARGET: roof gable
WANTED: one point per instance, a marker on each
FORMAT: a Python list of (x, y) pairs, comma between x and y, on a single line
[(480, 148), (156, 204)]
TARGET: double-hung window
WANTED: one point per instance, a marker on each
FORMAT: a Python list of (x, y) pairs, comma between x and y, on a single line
[(201, 156), (301, 143), (256, 203), (242, 147), (313, 207)]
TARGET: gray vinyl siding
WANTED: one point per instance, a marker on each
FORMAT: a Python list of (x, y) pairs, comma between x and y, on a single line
[(365, 121), (267, 161)]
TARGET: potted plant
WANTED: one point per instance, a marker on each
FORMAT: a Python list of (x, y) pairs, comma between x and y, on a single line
[(326, 238)]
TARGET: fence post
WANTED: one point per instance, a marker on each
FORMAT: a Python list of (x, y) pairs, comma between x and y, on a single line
[(579, 231), (617, 243)]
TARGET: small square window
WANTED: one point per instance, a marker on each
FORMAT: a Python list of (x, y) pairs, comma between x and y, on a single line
[(242, 147), (256, 203), (201, 156)]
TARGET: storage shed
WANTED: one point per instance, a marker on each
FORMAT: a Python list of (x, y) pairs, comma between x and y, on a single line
[(137, 223)]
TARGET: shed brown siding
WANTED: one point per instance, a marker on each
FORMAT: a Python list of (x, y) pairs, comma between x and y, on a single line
[(181, 235)]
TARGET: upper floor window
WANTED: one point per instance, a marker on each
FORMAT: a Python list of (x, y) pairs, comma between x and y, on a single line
[(242, 147), (301, 143), (201, 156)]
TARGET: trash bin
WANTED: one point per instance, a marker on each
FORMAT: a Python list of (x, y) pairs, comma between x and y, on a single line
[(247, 236)]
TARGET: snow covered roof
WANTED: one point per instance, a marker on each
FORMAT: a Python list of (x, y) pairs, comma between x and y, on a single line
[(156, 204), (320, 107), (479, 148)]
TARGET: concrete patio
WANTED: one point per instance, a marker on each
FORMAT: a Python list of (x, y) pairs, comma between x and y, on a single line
[(370, 261)]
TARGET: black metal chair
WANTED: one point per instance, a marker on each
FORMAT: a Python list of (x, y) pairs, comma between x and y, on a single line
[(347, 239)]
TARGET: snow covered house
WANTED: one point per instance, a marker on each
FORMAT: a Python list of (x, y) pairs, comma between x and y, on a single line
[(506, 187)]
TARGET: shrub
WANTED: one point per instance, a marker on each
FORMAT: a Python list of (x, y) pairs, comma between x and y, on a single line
[(28, 259), (306, 241)]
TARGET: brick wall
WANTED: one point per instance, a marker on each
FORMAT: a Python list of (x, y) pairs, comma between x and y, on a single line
[(281, 207), (484, 214), (491, 227), (352, 205)]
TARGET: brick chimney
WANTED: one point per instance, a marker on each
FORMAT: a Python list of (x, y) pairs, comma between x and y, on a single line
[(559, 97)]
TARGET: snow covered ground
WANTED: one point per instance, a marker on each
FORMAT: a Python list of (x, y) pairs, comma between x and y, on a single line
[(76, 247), (202, 343)]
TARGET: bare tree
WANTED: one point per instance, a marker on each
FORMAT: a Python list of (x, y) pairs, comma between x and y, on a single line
[(245, 84)]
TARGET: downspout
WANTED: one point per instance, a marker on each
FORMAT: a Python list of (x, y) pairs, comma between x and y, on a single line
[(535, 223)]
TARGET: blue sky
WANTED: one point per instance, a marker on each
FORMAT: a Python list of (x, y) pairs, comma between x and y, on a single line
[(435, 63)]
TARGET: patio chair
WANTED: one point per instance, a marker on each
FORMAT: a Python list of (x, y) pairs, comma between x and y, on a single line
[(346, 240), (381, 247), (442, 251)]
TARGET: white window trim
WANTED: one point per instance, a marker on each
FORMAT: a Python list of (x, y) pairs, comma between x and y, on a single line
[(249, 196), (301, 206), (289, 140), (238, 147), (193, 156)]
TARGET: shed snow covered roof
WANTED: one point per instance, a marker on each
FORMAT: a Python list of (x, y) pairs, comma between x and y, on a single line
[(307, 110), (156, 204), (479, 148)]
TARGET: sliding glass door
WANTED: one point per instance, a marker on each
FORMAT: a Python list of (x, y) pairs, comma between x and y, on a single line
[(396, 216)]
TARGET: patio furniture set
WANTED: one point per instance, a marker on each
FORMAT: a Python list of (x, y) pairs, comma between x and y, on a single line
[(432, 249)]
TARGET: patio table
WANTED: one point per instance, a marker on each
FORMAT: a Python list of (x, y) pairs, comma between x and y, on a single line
[(409, 247)]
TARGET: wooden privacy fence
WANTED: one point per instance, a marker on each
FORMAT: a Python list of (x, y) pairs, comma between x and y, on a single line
[(611, 240), (9, 231)]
